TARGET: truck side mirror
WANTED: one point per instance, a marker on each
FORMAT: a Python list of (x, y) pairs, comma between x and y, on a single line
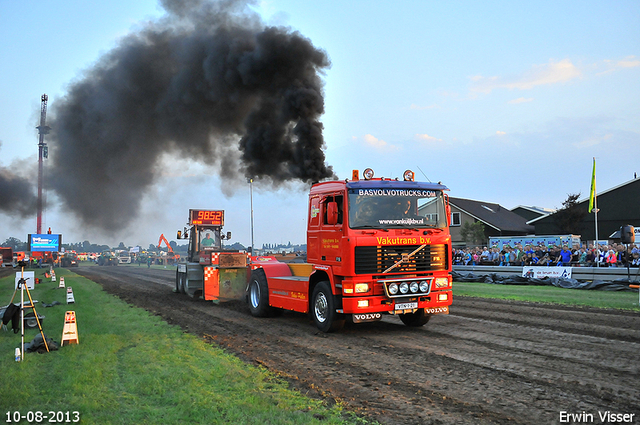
[(447, 209), (179, 235), (228, 235), (332, 213)]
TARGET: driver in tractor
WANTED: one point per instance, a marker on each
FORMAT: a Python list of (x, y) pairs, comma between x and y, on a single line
[(208, 240)]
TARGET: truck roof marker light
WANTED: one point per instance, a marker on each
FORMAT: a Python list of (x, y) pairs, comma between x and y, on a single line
[(408, 176), (367, 174), (355, 175)]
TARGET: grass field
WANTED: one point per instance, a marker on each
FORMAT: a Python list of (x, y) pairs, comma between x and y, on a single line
[(132, 367), (624, 300)]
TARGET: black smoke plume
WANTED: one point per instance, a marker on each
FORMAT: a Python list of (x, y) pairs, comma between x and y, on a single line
[(16, 192), (209, 82)]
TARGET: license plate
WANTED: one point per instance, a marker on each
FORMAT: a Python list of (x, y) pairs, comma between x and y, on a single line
[(406, 306)]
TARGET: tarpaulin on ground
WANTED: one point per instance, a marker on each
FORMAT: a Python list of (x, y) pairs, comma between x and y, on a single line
[(615, 285), (37, 345)]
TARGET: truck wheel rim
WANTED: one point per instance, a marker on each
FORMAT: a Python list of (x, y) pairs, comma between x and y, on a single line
[(321, 307), (255, 294)]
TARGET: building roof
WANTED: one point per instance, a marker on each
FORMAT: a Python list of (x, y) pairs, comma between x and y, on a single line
[(534, 209), (493, 215), (585, 201)]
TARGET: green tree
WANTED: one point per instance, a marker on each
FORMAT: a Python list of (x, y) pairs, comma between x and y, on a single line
[(569, 218), (473, 233), (15, 244)]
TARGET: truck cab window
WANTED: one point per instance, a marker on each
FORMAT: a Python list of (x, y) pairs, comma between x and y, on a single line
[(338, 199)]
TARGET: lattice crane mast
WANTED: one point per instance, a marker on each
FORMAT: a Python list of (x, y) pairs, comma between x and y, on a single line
[(43, 152)]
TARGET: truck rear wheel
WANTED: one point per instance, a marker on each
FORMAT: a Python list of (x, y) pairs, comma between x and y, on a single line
[(259, 295), (419, 318), (323, 309)]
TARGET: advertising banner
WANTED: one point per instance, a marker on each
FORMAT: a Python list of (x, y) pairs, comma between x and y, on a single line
[(550, 240), (44, 243), (540, 272)]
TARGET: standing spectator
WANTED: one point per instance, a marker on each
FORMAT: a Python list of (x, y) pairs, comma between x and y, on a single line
[(494, 257), (564, 257), (582, 257), (457, 256), (484, 257), (468, 257)]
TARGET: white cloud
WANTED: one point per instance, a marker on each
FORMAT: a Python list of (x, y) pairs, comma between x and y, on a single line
[(594, 140), (627, 62), (500, 133), (549, 73), (520, 100), (427, 138), (376, 143)]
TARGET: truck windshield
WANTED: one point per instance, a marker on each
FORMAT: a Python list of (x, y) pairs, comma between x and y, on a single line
[(390, 208)]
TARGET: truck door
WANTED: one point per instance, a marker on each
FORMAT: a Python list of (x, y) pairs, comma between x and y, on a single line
[(332, 208), (313, 230)]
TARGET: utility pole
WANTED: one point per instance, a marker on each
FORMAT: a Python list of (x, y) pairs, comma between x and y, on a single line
[(251, 187), (43, 152)]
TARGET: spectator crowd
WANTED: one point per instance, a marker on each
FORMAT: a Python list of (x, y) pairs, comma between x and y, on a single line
[(614, 255)]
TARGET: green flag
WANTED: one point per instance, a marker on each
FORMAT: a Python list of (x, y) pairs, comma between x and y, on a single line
[(592, 195)]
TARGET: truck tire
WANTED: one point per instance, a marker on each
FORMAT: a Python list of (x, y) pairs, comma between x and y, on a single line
[(323, 309), (178, 283), (259, 295), (419, 318)]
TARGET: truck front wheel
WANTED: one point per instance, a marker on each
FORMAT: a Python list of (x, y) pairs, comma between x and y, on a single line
[(323, 309), (419, 318)]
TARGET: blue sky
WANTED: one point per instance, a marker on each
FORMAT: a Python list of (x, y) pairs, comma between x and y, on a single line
[(505, 102)]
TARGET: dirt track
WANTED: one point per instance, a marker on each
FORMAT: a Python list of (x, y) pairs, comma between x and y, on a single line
[(488, 362)]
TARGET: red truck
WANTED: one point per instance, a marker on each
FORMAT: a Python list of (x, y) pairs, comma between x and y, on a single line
[(375, 246), (6, 256)]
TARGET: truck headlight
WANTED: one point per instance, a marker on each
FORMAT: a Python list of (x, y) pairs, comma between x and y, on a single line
[(414, 287), (404, 288), (362, 287), (424, 286), (393, 288), (442, 282)]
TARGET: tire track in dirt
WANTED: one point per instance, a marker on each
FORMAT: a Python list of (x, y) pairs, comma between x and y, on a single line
[(486, 363)]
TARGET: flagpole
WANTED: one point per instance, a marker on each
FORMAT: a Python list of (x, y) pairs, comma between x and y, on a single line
[(593, 202)]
